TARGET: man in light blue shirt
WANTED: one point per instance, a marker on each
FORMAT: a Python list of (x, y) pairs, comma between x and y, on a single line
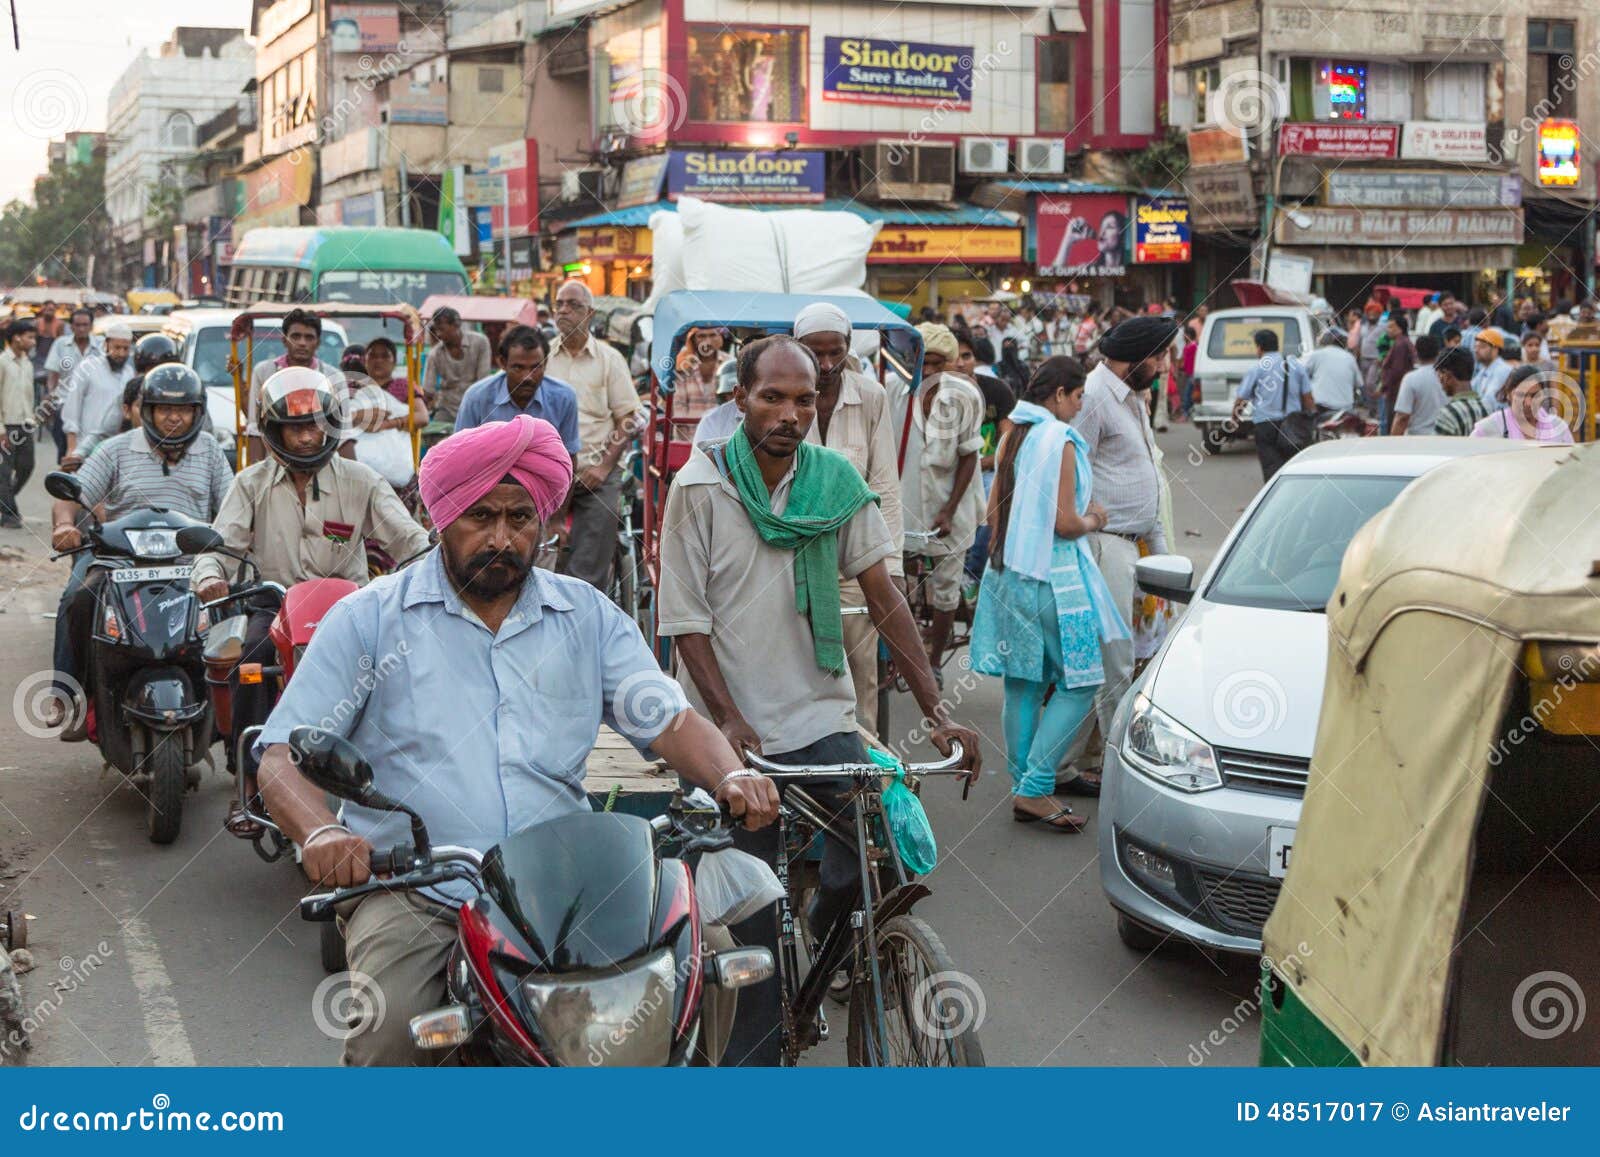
[(475, 686), (1276, 387), (1492, 370), (522, 388)]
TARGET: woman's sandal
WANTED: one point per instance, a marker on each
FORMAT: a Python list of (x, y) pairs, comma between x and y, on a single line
[(1049, 821), (1080, 784)]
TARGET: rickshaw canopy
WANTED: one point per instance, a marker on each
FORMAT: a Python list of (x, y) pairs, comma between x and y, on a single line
[(1439, 598), (679, 312), (275, 311), (483, 310)]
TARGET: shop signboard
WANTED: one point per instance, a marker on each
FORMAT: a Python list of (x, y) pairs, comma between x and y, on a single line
[(516, 164), (419, 102), (1222, 198), (756, 176), (1558, 154), (484, 189), (641, 180), (859, 70), (364, 28), (1081, 236), (1355, 141), (1422, 188), (1466, 141), (1209, 148), (935, 245), (365, 210), (1326, 225), (1161, 231)]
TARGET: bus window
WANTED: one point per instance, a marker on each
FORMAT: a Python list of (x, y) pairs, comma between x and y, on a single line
[(302, 285)]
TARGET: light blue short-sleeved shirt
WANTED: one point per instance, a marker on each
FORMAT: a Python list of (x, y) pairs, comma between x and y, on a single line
[(1273, 395), (484, 735), (490, 401)]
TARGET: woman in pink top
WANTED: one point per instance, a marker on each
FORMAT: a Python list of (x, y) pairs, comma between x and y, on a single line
[(1525, 416)]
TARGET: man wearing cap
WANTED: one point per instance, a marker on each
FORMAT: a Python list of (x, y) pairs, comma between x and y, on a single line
[(501, 676), (943, 495), (853, 418), (1492, 369), (608, 406), (91, 410), (1115, 422)]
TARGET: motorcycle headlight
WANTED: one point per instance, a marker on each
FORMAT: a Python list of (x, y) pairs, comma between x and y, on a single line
[(606, 1018), (156, 543), (1167, 751)]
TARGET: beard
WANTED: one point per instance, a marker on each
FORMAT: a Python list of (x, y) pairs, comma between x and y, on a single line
[(1141, 377), (116, 364), (487, 574)]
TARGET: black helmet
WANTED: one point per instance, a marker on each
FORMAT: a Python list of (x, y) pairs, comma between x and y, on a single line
[(171, 385), (295, 396), (152, 350)]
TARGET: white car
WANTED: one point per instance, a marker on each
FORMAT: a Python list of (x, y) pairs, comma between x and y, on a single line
[(1207, 759)]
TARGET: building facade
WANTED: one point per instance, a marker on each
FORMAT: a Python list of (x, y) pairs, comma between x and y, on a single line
[(152, 120)]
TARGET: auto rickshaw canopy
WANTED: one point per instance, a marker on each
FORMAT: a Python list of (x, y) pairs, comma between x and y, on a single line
[(243, 324), (1444, 603)]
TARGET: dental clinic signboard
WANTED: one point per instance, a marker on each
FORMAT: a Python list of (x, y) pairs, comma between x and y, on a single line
[(856, 70), (787, 176)]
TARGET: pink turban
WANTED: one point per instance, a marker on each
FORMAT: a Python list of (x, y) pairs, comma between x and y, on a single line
[(470, 463)]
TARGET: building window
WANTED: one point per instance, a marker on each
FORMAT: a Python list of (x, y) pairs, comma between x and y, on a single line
[(1205, 83), (178, 132), (1552, 69), (1054, 89), (491, 80), (747, 75), (1389, 92), (630, 92), (1455, 92), (1136, 52)]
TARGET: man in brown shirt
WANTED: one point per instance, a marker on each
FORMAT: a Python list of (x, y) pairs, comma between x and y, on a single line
[(1397, 363), (607, 410), (457, 359)]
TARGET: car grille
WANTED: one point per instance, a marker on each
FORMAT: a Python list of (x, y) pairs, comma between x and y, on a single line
[(1256, 771), (1240, 904)]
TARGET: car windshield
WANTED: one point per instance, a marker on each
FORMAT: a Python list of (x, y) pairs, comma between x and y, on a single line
[(211, 350), (1287, 557), (1234, 338)]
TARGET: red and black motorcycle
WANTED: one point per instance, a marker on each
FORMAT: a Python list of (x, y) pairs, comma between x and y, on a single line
[(582, 945)]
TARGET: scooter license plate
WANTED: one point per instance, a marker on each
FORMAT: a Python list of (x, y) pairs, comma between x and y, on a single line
[(149, 574)]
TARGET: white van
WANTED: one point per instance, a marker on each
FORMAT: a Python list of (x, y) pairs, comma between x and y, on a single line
[(1228, 350)]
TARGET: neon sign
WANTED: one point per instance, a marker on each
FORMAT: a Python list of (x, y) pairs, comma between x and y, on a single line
[(1558, 154), (1347, 91)]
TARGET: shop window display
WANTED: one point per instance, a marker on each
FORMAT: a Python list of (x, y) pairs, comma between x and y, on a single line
[(747, 75)]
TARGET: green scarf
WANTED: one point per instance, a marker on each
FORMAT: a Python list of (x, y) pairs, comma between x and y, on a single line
[(825, 494)]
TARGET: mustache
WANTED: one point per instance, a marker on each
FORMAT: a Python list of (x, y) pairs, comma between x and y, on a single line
[(487, 559)]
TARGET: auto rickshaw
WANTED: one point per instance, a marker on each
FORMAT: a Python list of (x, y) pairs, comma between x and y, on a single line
[(1576, 388), (493, 315), (242, 358), (668, 439), (1440, 907)]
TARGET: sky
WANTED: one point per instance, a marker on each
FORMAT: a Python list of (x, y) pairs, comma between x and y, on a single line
[(73, 51)]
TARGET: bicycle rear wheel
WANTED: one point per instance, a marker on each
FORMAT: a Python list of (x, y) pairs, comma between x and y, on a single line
[(931, 1010)]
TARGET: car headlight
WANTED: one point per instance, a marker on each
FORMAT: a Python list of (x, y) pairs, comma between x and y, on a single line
[(1167, 751), (606, 1018)]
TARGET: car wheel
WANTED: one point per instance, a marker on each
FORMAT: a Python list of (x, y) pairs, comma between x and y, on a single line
[(1136, 936)]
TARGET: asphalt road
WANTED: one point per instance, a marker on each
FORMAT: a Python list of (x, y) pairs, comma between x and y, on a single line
[(194, 953)]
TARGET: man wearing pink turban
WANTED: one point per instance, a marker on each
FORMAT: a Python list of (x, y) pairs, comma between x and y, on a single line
[(475, 685)]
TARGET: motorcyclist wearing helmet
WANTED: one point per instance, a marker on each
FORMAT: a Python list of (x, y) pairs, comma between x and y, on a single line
[(303, 512), (166, 461), (302, 339)]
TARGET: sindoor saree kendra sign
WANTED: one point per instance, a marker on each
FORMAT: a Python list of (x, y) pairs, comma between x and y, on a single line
[(726, 176), (1350, 226), (862, 71)]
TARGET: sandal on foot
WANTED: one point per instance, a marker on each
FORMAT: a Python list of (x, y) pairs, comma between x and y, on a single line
[(240, 824), (1049, 821)]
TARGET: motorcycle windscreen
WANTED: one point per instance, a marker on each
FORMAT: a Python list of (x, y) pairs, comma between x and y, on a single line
[(580, 889)]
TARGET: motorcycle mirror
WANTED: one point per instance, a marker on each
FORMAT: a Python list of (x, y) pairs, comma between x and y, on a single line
[(334, 764), (198, 540), (60, 484)]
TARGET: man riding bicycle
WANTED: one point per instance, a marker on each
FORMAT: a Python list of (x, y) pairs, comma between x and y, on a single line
[(503, 676)]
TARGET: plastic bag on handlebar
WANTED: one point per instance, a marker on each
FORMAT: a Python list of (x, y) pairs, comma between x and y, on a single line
[(732, 886), (908, 823)]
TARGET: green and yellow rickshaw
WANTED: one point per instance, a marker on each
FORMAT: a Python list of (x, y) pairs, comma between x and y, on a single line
[(1443, 903)]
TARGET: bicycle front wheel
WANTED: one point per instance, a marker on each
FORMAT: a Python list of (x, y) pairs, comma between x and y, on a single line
[(931, 1011)]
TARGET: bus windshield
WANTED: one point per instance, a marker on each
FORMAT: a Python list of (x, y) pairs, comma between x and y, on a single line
[(386, 286)]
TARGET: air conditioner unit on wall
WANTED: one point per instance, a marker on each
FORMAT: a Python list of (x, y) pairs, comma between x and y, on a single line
[(984, 155), (908, 171), (583, 185), (1042, 155)]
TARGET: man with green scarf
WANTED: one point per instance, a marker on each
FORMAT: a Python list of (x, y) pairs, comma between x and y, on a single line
[(757, 532)]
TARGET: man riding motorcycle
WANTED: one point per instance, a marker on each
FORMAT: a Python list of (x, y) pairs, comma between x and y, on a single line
[(166, 461), (303, 512), (507, 673)]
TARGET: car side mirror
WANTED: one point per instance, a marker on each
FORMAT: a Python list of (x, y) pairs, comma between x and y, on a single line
[(198, 540), (333, 763), (1167, 576), (60, 484)]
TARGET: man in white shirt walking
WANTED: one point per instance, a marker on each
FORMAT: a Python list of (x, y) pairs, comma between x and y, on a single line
[(1421, 397), (1335, 373), (92, 409)]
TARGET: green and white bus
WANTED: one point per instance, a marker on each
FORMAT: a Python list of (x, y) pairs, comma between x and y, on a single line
[(365, 266)]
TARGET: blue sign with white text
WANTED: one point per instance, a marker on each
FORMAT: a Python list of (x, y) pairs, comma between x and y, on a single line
[(857, 70), (727, 176)]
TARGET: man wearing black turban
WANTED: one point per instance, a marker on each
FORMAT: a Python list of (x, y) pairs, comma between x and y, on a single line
[(1115, 422)]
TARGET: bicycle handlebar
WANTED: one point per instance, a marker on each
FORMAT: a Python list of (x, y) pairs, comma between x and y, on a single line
[(950, 765)]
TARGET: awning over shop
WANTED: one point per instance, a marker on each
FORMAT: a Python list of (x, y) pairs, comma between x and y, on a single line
[(928, 216), (1413, 259)]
